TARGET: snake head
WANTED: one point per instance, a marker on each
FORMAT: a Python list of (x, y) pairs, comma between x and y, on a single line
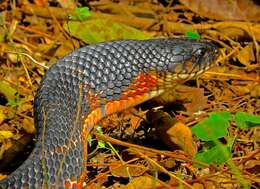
[(190, 58)]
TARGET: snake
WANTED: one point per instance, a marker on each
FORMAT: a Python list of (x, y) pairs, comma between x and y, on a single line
[(94, 82)]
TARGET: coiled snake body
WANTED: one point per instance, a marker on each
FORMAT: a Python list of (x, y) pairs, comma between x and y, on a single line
[(91, 83)]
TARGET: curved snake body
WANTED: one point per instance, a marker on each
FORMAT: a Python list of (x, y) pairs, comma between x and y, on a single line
[(86, 85)]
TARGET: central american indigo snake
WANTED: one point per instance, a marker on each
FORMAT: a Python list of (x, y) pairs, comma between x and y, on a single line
[(91, 83)]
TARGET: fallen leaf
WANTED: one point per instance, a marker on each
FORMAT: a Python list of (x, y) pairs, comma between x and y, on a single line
[(28, 125), (2, 176), (135, 120), (246, 120), (168, 163), (181, 135), (7, 90), (173, 134), (100, 30), (41, 3), (193, 98), (136, 116), (144, 182), (255, 90), (225, 10), (2, 114), (198, 186), (5, 135), (252, 166), (197, 101), (212, 128), (215, 155), (126, 170), (80, 14), (246, 55), (66, 47), (67, 3), (24, 107), (3, 30)]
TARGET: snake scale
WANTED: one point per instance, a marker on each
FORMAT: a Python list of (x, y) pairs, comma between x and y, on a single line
[(91, 83)]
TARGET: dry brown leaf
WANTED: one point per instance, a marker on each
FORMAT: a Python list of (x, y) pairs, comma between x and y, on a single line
[(68, 3), (256, 136), (225, 10), (198, 186), (238, 90), (174, 135), (24, 107), (66, 47), (232, 32), (210, 184), (168, 163), (192, 98), (2, 114), (126, 170), (41, 3), (135, 120), (246, 55), (255, 90), (143, 182), (181, 135), (6, 113), (2, 176), (253, 166), (97, 185), (28, 125), (136, 117), (5, 135), (196, 101)]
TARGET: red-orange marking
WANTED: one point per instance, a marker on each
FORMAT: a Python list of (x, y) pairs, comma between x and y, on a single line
[(135, 94), (143, 83)]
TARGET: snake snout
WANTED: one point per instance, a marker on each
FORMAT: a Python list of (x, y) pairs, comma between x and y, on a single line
[(208, 58), (202, 56)]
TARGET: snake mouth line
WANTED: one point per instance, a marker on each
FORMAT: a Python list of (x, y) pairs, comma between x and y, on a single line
[(168, 78)]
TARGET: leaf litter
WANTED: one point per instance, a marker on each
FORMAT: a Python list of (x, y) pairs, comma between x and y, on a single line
[(155, 144)]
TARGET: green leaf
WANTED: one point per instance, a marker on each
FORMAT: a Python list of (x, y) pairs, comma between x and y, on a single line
[(214, 152), (90, 140), (80, 14), (7, 90), (212, 128), (10, 93), (192, 35), (99, 129), (225, 115), (218, 154), (244, 120), (14, 102), (99, 30), (101, 144)]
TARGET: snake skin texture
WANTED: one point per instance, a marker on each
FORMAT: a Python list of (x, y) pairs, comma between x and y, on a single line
[(62, 100)]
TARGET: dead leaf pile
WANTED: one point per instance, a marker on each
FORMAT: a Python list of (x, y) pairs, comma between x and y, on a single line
[(152, 145)]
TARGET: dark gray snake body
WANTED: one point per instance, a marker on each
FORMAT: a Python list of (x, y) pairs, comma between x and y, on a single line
[(62, 100)]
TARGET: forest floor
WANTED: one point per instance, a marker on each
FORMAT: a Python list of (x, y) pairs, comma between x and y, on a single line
[(204, 135)]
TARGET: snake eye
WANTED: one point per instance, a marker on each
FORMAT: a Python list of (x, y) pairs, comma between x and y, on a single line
[(200, 51)]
